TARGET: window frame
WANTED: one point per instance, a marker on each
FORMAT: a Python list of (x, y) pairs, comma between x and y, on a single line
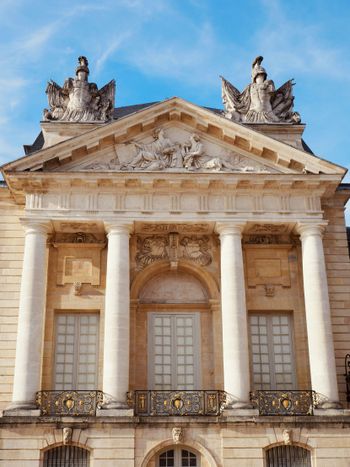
[(78, 315), (270, 314), (195, 315), (178, 455)]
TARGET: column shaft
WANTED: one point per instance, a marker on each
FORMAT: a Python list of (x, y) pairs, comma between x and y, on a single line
[(31, 317), (318, 316), (117, 320), (234, 315)]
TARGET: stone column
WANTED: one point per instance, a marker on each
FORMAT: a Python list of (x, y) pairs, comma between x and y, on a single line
[(117, 319), (31, 316), (318, 316), (234, 315)]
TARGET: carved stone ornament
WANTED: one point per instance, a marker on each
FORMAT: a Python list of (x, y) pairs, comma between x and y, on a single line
[(260, 102), (77, 288), (165, 154), (78, 100), (269, 290), (67, 434), (261, 239), (151, 249), (269, 229), (196, 249), (287, 436), (169, 247), (77, 237), (177, 434), (180, 228)]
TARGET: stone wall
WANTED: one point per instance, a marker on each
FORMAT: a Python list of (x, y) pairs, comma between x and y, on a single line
[(11, 255), (119, 443), (338, 271)]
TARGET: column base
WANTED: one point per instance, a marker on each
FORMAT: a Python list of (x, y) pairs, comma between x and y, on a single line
[(114, 405), (22, 405), (238, 405), (22, 409), (326, 405)]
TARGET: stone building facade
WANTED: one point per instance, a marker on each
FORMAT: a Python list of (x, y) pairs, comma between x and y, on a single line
[(174, 286)]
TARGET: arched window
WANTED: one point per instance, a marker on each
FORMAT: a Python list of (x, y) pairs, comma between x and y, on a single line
[(288, 456), (67, 456), (178, 458)]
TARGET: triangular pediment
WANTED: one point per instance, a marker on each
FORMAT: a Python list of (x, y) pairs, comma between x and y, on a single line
[(173, 136)]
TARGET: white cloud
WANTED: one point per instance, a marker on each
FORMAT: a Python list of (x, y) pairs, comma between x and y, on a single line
[(114, 45), (296, 45)]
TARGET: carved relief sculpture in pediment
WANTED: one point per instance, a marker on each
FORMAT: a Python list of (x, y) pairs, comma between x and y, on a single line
[(164, 153), (170, 247), (259, 102), (78, 100)]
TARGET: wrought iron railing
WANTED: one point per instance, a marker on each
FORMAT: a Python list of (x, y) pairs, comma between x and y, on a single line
[(165, 403), (284, 402), (71, 403)]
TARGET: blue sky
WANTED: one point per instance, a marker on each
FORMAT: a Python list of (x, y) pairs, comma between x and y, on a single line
[(161, 48)]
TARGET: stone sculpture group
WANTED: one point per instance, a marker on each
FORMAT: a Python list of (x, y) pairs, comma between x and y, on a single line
[(79, 100), (259, 102)]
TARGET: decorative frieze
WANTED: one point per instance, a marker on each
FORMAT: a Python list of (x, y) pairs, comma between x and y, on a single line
[(179, 228), (77, 237), (191, 198)]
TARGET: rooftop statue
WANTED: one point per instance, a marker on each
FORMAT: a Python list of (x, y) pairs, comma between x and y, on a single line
[(78, 100), (259, 102)]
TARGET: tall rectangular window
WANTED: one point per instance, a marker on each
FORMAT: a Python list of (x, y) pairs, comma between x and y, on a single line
[(272, 359), (174, 351), (76, 355)]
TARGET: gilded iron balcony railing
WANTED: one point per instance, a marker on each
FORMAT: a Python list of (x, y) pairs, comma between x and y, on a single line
[(170, 403), (70, 403), (284, 402)]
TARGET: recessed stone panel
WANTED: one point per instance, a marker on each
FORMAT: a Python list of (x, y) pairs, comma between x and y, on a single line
[(267, 266)]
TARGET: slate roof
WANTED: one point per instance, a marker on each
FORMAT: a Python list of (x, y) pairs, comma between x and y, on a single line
[(120, 112)]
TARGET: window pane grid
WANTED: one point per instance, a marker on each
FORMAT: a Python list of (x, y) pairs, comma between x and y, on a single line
[(167, 459), (76, 351), (173, 351), (177, 458), (271, 352)]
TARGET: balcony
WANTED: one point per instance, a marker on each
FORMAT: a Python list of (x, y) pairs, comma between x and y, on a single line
[(284, 402), (177, 403), (69, 403)]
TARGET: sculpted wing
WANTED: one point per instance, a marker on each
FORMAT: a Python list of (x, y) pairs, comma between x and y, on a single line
[(235, 102), (282, 102), (58, 98), (107, 96), (55, 94)]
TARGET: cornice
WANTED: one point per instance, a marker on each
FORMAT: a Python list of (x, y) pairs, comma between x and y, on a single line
[(178, 111)]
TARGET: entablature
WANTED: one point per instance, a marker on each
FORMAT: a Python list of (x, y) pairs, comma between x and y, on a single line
[(204, 196)]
